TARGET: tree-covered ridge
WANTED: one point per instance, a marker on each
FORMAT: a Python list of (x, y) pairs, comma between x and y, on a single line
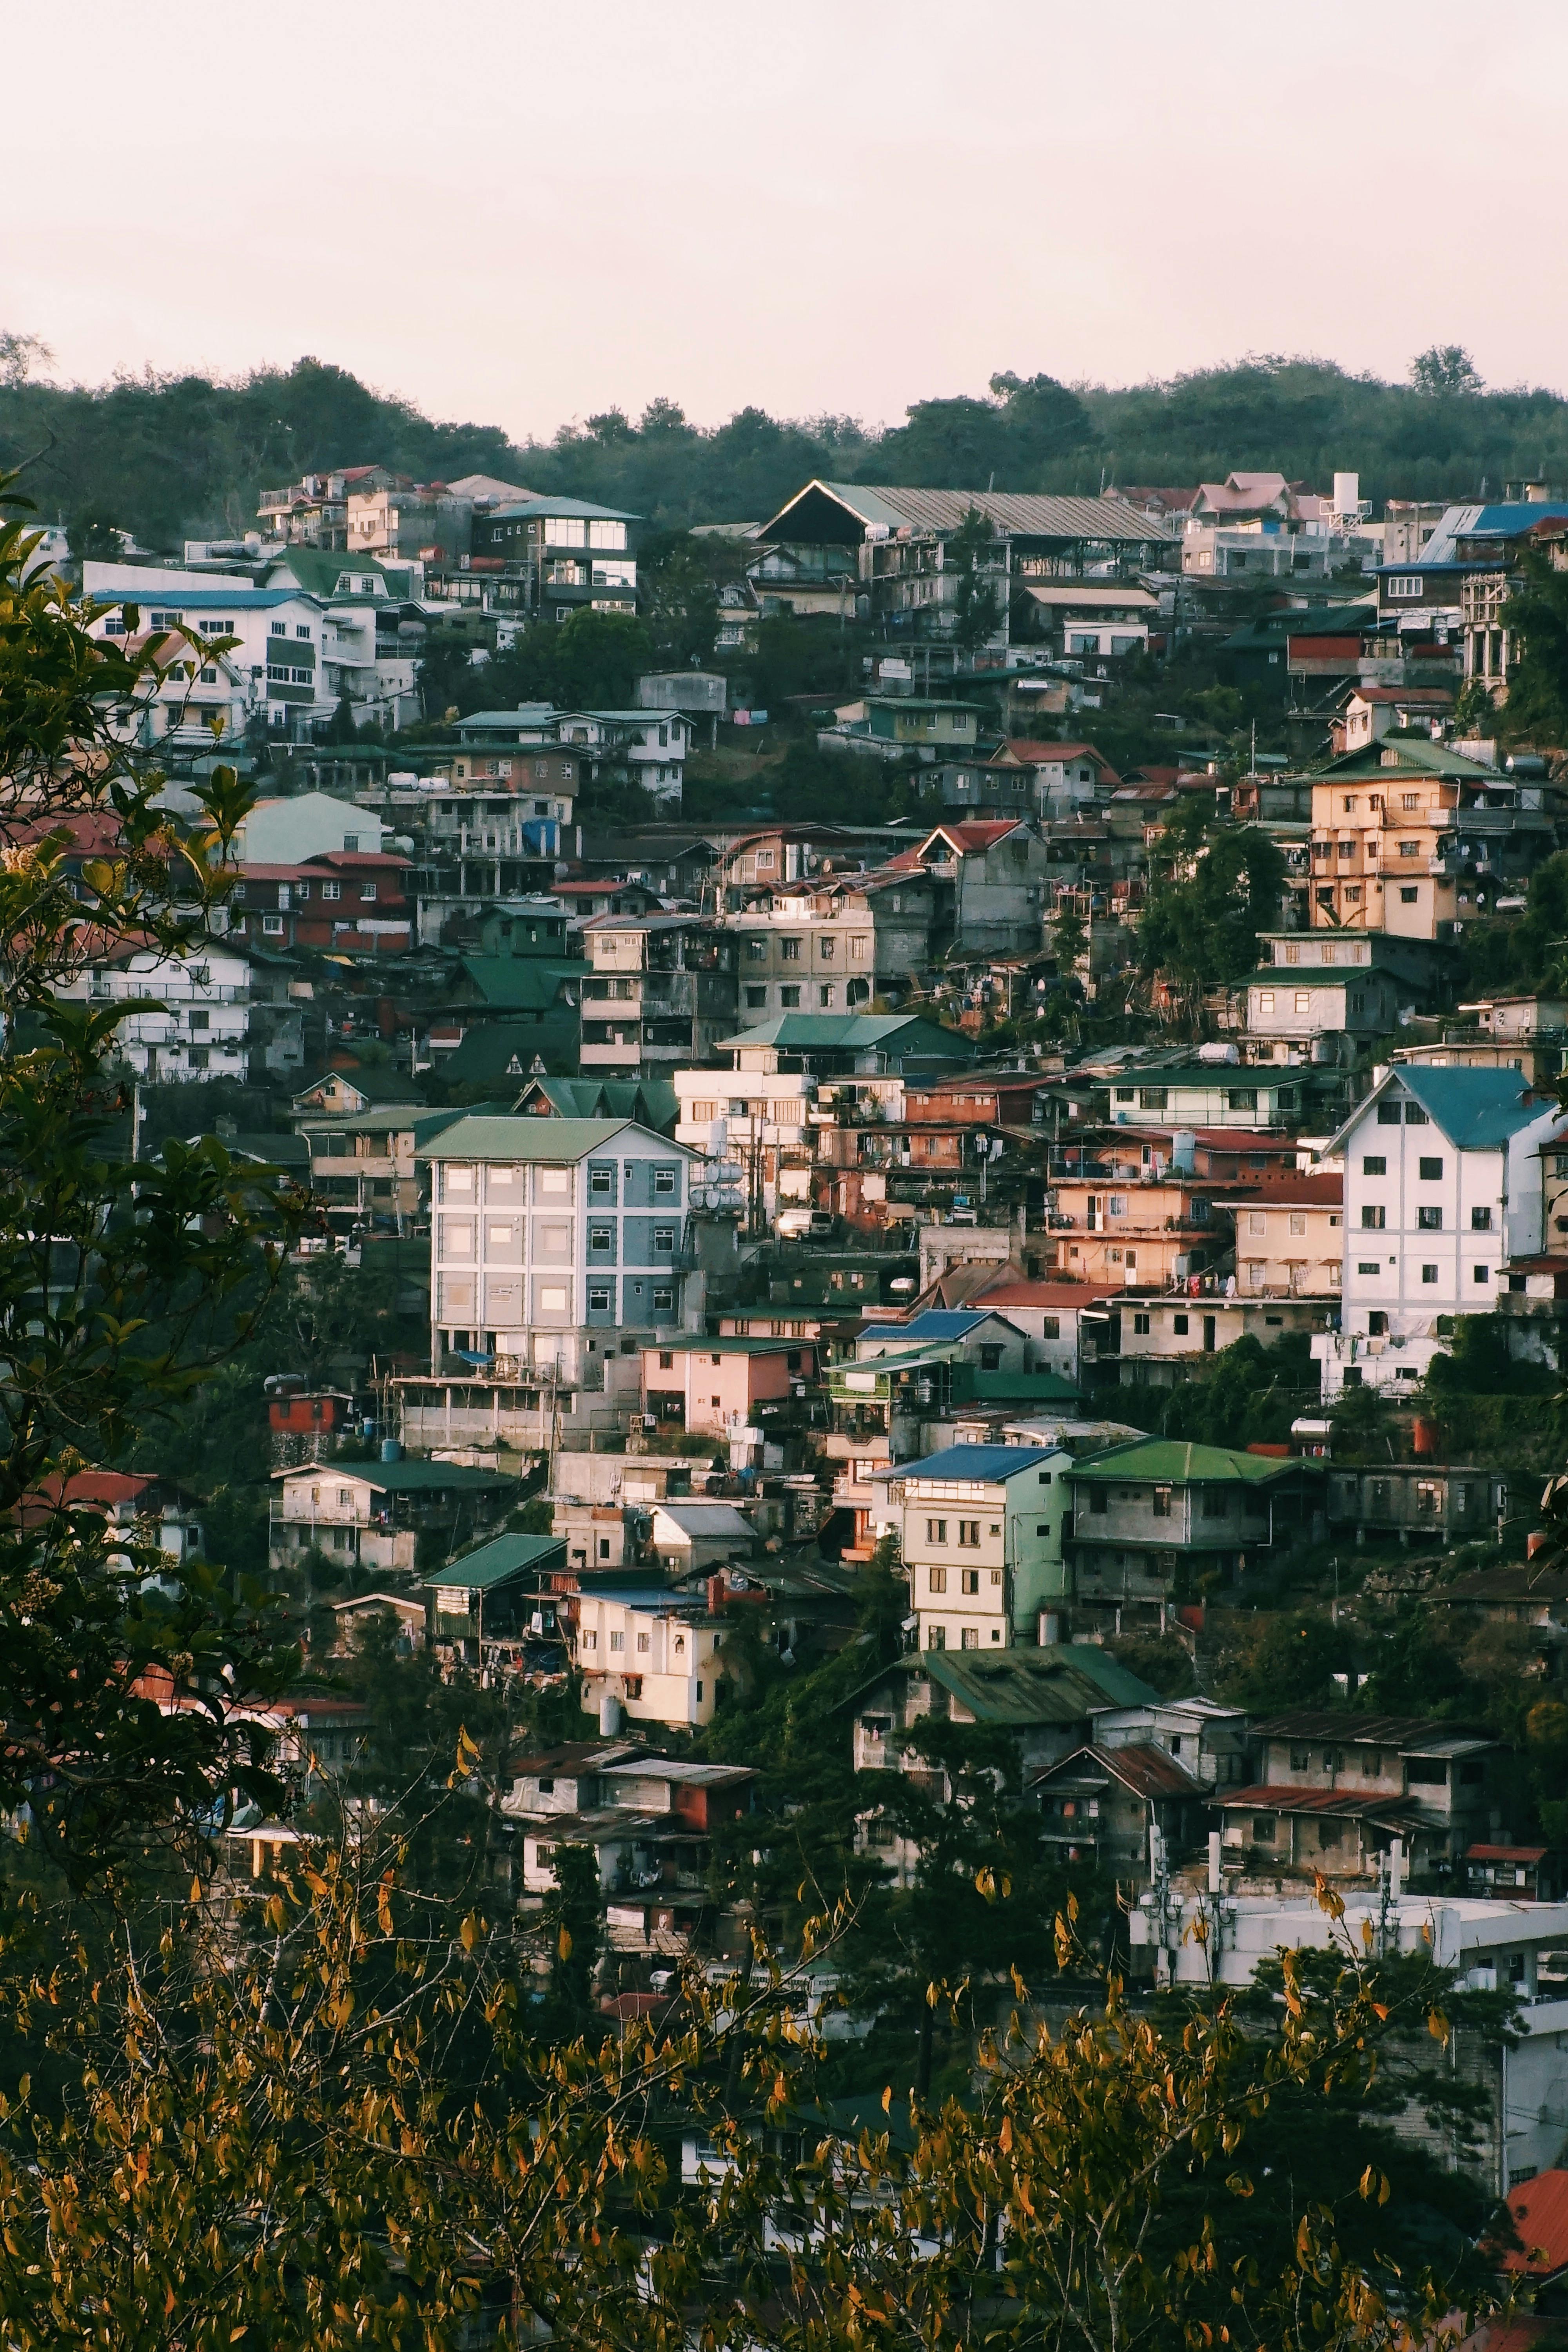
[(177, 454)]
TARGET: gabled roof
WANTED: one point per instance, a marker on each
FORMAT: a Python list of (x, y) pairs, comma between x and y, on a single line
[(1405, 755), (1059, 1684), (521, 983), (516, 509), (653, 1102), (848, 1032), (971, 837), (1475, 1110), (1173, 1462), (377, 1087), (1411, 1734), (555, 1142), (1019, 514), (1146, 1769)]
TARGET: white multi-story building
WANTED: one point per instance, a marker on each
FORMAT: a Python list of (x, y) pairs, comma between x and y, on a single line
[(557, 1245), (276, 669), (1442, 1186), (982, 1539), (197, 1025)]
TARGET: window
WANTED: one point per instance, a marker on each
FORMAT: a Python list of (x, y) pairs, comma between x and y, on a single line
[(1374, 1164), (825, 950), (1369, 1265), (1215, 1502), (1050, 1327), (278, 629), (1414, 1116), (789, 998), (969, 1578), (1481, 1220), (1263, 1829), (1410, 849), (1098, 1502), (756, 999), (1299, 1221), (1265, 999), (936, 1531), (331, 889), (1481, 1274), (1428, 1274), (590, 1640), (1180, 1325), (1303, 999), (600, 1181), (1373, 1216), (599, 1300), (1406, 586), (664, 1239), (790, 951), (756, 951), (969, 1533), (601, 1237), (1162, 1500), (1431, 1171), (939, 1579), (1407, 897), (826, 994), (664, 1183), (1140, 1325)]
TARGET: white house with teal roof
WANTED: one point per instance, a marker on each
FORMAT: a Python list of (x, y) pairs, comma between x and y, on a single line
[(1442, 1186)]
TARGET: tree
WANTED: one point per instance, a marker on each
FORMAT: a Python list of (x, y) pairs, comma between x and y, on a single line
[(679, 597), (1444, 369), (1208, 899), (342, 728), (977, 607), (92, 534), (19, 355), (1537, 613), (121, 1282)]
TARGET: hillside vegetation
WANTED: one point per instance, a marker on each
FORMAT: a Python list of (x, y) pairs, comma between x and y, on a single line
[(170, 456)]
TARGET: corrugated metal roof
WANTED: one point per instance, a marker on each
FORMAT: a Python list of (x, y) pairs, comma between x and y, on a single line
[(495, 1562), (1169, 1462), (1408, 1734), (976, 1465), (1540, 2211), (524, 1137), (1475, 1110), (1022, 514), (1348, 1803), (1142, 1765)]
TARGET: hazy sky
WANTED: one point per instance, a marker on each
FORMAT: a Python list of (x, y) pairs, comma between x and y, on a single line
[(521, 212)]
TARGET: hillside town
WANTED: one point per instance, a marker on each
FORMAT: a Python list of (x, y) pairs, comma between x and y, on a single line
[(944, 1267)]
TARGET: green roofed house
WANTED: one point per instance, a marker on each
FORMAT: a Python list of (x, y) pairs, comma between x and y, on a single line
[(1203, 1095), (1151, 1519), (502, 1593), (1044, 1700), (651, 1102), (372, 1515), (836, 1044)]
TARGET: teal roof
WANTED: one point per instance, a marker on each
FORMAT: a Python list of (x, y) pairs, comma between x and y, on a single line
[(521, 983), (1171, 1462), (651, 1102), (1026, 1685), (525, 1137), (411, 1477), (850, 1032), (503, 1050), (1477, 1111), (319, 572), (502, 1558), (517, 507), (1413, 755)]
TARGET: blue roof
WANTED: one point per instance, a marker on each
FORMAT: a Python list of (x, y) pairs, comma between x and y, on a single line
[(982, 1464), (942, 1323)]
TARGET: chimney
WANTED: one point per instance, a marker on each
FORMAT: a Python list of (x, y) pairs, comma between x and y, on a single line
[(715, 1594)]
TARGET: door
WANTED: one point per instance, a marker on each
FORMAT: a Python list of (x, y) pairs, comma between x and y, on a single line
[(1209, 1335)]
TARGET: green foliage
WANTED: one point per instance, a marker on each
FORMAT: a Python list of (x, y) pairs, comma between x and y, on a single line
[(590, 662), (1206, 906), (1286, 1659), (1477, 1363), (121, 1283), (1446, 372), (1537, 612), (1250, 1395)]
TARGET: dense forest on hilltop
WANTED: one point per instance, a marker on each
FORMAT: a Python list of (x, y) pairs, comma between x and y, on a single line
[(167, 456)]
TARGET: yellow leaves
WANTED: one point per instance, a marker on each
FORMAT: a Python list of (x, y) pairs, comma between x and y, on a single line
[(888, 2100), (562, 1942), (196, 1890), (384, 1904), (1325, 1897), (472, 1928), (1437, 2026), (1005, 2137), (990, 1883)]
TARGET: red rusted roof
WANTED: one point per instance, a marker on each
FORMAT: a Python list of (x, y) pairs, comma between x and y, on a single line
[(1266, 1798), (1540, 2210), (1147, 1769), (1506, 1852)]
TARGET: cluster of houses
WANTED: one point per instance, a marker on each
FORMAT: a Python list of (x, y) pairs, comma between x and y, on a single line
[(750, 1223)]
